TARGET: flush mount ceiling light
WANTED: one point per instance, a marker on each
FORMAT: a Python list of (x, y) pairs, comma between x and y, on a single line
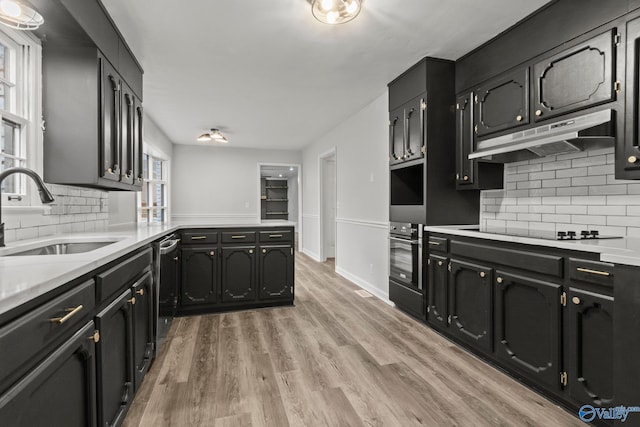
[(335, 11), (16, 15), (214, 135)]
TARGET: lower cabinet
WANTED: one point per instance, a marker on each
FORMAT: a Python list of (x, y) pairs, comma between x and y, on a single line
[(142, 313), (276, 272), (589, 344), (199, 275), (60, 391), (527, 316), (471, 303), (238, 273), (438, 290), (115, 360)]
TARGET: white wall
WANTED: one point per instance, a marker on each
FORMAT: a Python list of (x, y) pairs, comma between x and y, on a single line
[(123, 204), (219, 183), (292, 195), (361, 144)]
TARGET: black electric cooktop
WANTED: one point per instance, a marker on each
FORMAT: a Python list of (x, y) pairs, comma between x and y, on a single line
[(553, 235)]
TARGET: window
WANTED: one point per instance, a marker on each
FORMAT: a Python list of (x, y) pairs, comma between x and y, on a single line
[(20, 109), (153, 197)]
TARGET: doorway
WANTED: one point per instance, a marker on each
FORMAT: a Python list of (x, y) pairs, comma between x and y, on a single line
[(279, 194), (328, 206)]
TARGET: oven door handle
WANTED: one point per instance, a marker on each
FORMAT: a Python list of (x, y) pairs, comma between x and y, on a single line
[(411, 242)]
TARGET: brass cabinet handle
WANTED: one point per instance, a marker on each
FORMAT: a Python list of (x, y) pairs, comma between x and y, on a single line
[(274, 236), (240, 236), (132, 301), (70, 313), (212, 253), (538, 113), (198, 237), (576, 300), (599, 273), (632, 159), (499, 280), (434, 243), (483, 274), (140, 292), (519, 118), (95, 337), (264, 251)]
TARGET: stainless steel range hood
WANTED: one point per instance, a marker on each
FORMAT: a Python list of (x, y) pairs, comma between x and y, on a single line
[(592, 130)]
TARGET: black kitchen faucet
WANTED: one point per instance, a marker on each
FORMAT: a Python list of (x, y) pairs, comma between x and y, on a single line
[(45, 195)]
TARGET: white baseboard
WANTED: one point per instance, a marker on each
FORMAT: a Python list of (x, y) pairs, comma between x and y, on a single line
[(314, 256), (364, 285)]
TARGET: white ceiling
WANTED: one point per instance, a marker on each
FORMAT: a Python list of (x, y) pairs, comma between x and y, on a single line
[(271, 76)]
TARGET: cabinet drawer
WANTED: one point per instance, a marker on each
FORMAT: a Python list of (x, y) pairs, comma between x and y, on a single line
[(239, 237), (25, 339), (407, 299), (597, 272), (439, 244), (114, 279), (199, 237), (275, 236)]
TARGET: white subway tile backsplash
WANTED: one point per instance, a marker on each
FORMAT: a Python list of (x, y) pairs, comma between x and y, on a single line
[(573, 191)]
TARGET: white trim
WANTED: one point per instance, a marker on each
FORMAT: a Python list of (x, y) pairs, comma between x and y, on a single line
[(364, 223), (332, 152), (312, 216), (314, 256), (380, 294)]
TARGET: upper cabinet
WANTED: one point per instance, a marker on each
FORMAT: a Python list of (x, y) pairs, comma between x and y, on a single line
[(576, 78), (92, 99), (628, 148), (502, 103)]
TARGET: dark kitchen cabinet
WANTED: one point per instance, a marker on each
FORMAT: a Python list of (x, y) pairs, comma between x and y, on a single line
[(472, 174), (111, 135), (581, 76), (628, 148), (437, 291), (396, 136), (115, 377), (407, 131), (471, 303), (276, 272), (143, 339), (589, 345), (131, 135), (238, 273), (527, 327), (60, 391), (199, 275), (502, 103)]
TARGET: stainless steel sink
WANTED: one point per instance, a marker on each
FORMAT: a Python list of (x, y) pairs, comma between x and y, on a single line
[(62, 248)]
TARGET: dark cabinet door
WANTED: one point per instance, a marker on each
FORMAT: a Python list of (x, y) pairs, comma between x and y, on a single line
[(199, 275), (276, 272), (414, 125), (437, 294), (110, 133), (527, 327), (238, 273), (58, 392), (127, 135), (589, 343), (115, 360), (396, 136), (471, 303), (503, 103), (142, 327), (464, 140), (628, 148), (576, 78)]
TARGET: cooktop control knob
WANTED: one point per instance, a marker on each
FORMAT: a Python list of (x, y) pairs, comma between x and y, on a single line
[(571, 234), (562, 235), (594, 234), (584, 234)]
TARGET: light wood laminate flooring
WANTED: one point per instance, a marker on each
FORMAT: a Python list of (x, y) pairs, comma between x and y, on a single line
[(335, 359)]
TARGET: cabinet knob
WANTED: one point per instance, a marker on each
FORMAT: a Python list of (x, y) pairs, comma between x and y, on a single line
[(95, 337), (140, 292), (632, 159), (250, 251), (538, 113), (457, 106), (264, 251), (132, 301), (110, 170), (499, 280), (439, 262), (576, 300), (519, 118), (483, 274), (176, 258), (212, 253), (465, 178)]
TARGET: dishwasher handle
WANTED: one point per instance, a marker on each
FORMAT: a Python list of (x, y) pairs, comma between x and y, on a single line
[(168, 246)]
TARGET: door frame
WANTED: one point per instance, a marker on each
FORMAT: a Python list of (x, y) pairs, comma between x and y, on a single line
[(299, 219), (322, 158)]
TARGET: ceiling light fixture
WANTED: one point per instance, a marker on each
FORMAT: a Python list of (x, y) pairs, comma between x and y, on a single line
[(335, 11), (214, 135), (19, 16)]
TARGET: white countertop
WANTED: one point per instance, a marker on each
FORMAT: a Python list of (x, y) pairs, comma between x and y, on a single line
[(23, 278), (618, 251)]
